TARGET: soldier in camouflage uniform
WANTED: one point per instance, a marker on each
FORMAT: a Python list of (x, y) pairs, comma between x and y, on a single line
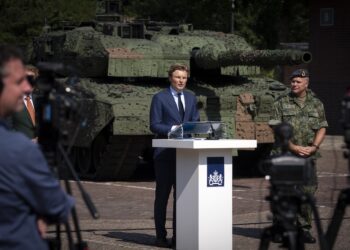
[(304, 111)]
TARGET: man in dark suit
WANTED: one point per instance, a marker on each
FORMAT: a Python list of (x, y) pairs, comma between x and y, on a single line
[(170, 108), (24, 120)]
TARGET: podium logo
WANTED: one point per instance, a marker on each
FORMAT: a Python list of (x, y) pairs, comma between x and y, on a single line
[(215, 172)]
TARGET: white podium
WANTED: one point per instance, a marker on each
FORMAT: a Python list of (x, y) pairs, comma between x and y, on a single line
[(203, 191)]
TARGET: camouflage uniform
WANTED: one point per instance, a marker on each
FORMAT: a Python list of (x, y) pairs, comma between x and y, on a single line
[(306, 120)]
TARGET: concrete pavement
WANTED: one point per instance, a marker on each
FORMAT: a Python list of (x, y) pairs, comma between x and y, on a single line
[(126, 208)]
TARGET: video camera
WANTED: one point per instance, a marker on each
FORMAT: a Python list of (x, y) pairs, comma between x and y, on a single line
[(288, 175), (59, 108), (290, 170), (285, 169), (58, 104)]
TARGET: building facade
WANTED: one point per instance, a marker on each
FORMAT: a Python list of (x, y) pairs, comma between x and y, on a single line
[(330, 47)]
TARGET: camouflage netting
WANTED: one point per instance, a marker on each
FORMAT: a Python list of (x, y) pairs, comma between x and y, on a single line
[(264, 57)]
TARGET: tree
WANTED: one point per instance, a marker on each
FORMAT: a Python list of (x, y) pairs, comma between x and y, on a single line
[(264, 23), (203, 14), (22, 20)]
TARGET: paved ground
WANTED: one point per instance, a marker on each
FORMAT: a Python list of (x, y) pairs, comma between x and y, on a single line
[(126, 208)]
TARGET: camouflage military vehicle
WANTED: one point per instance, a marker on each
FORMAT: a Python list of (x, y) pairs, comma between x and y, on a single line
[(125, 63)]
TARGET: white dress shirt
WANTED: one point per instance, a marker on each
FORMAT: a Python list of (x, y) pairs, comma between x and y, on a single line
[(176, 98), (25, 101)]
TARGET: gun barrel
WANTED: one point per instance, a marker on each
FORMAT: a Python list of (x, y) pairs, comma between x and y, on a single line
[(207, 58)]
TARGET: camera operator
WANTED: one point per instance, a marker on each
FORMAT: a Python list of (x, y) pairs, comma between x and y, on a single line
[(304, 111), (30, 196)]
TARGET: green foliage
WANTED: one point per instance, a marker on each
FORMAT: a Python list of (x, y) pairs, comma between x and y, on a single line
[(258, 21), (203, 14), (23, 19), (264, 23)]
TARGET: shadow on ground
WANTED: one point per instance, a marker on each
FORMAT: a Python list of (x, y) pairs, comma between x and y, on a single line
[(138, 238), (248, 232), (144, 172)]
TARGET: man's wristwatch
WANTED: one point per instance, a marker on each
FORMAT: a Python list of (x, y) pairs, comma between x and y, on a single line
[(316, 146)]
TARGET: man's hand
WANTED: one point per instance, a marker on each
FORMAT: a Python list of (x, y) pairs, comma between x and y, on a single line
[(302, 151), (35, 140), (42, 227), (174, 127)]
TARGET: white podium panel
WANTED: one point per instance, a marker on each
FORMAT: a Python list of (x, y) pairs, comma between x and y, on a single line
[(204, 191), (204, 213)]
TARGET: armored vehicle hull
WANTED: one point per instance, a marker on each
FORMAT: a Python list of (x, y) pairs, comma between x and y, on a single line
[(125, 64), (117, 138)]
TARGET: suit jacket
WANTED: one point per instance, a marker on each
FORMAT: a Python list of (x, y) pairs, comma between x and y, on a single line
[(22, 122), (164, 112), (28, 190)]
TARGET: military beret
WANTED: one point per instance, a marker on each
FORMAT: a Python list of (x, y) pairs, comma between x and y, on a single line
[(299, 73)]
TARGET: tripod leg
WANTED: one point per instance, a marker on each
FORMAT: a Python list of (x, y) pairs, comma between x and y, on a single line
[(69, 236), (55, 243), (86, 197), (265, 238), (295, 241), (339, 211), (321, 238), (300, 239), (80, 243)]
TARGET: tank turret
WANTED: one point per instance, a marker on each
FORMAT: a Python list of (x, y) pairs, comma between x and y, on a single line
[(124, 63)]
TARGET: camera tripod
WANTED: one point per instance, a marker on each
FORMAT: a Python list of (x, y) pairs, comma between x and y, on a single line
[(339, 211), (334, 226), (81, 245), (56, 243), (58, 111), (285, 204)]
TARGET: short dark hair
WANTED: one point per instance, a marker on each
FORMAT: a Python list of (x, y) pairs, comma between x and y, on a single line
[(7, 53), (175, 67)]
